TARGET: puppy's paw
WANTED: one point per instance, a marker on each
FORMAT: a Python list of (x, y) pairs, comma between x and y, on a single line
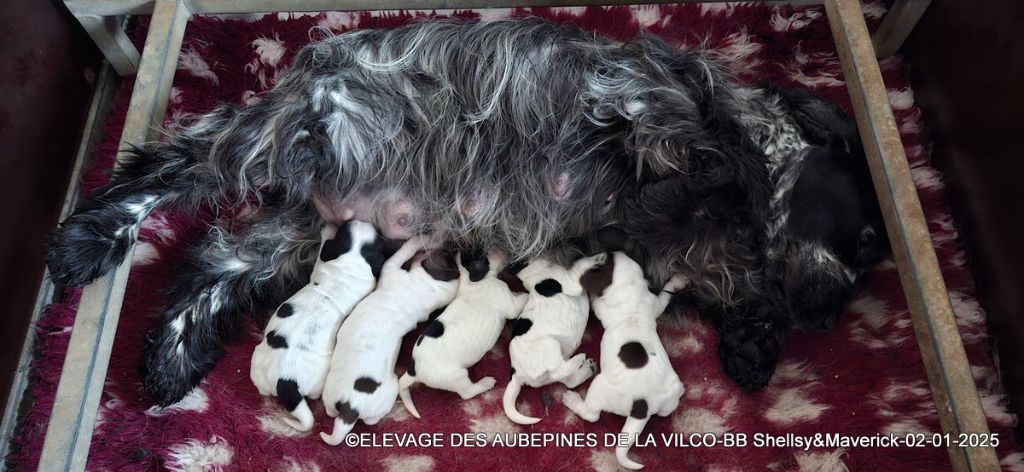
[(575, 402), (572, 400), (88, 245), (486, 384), (749, 353)]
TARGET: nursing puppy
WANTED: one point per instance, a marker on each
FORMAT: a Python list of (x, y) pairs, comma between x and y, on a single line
[(292, 361), (465, 331), (636, 379), (549, 330), (362, 383)]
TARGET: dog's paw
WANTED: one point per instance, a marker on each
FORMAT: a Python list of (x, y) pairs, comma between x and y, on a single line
[(87, 246), (749, 353), (171, 368)]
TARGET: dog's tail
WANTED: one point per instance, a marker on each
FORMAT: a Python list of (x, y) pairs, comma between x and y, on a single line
[(406, 381), (302, 417), (341, 429), (632, 429), (509, 402)]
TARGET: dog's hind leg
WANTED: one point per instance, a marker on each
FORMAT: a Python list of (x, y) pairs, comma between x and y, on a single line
[(225, 274), (466, 388), (585, 409), (95, 239)]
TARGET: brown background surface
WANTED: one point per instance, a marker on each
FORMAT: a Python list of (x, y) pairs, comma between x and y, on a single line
[(967, 67), (44, 94)]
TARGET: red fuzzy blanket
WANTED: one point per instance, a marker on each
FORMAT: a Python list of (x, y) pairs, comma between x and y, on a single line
[(864, 379)]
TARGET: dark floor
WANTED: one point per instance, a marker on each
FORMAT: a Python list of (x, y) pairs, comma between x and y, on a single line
[(967, 65), (47, 67)]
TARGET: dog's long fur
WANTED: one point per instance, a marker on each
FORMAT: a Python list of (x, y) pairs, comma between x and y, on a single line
[(514, 134)]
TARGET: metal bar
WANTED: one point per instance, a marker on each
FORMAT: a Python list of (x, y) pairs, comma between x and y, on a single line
[(109, 36), (198, 7), (938, 337), (99, 107), (69, 435), (903, 15)]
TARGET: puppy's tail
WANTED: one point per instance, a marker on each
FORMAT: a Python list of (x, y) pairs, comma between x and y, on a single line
[(632, 429), (302, 417), (509, 402), (404, 383), (341, 429)]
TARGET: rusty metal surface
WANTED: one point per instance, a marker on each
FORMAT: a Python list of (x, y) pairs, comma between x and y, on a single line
[(938, 337)]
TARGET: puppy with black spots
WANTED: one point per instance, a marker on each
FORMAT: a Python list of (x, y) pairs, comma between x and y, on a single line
[(465, 331), (362, 383), (293, 359), (549, 330), (636, 379)]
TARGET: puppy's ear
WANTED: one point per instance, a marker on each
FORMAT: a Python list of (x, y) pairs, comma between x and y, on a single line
[(373, 254), (597, 279), (339, 243), (476, 263)]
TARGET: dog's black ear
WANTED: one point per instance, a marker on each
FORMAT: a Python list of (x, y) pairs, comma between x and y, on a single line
[(476, 263), (820, 121)]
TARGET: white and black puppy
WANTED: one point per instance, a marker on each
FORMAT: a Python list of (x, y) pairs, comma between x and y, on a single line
[(549, 330), (362, 383), (636, 379), (465, 331), (294, 357)]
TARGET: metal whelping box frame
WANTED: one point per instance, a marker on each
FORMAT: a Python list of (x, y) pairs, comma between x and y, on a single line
[(69, 434)]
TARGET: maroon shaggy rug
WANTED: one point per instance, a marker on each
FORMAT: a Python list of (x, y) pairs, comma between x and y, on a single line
[(865, 379)]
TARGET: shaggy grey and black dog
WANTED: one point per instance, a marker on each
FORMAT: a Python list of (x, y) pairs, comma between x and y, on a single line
[(513, 134)]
